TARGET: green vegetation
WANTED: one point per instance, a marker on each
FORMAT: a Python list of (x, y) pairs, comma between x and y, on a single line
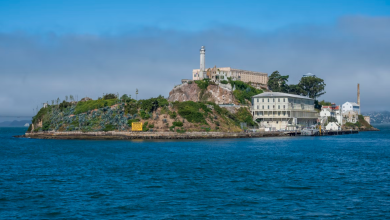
[(180, 130), (109, 127), (144, 115), (363, 122), (64, 105), (177, 124), (243, 115), (130, 121), (190, 111), (278, 83), (172, 115), (151, 105), (202, 84), (42, 112), (109, 96), (224, 81), (312, 86), (243, 92), (145, 126), (93, 104), (324, 103)]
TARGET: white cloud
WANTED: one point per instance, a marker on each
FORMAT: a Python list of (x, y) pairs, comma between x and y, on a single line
[(35, 69)]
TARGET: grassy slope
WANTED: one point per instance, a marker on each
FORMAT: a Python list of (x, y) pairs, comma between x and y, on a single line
[(178, 116)]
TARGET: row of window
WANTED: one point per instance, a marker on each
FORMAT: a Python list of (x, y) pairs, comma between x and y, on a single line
[(273, 107), (273, 99)]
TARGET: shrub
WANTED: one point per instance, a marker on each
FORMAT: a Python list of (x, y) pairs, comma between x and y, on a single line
[(110, 96), (109, 127), (151, 105), (41, 113), (29, 128), (145, 126), (190, 111), (224, 81), (180, 130), (46, 126), (151, 126), (177, 124), (243, 91), (144, 115), (202, 84), (130, 121), (189, 82), (64, 105), (172, 115), (93, 104)]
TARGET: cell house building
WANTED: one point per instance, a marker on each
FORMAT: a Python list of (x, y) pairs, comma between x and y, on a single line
[(283, 111)]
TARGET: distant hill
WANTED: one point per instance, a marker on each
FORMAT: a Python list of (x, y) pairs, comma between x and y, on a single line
[(14, 123), (379, 117)]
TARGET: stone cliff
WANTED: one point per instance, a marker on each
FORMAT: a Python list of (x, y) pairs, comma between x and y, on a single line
[(220, 94)]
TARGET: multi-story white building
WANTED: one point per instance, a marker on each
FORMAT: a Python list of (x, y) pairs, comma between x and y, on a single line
[(329, 111), (281, 110), (350, 106)]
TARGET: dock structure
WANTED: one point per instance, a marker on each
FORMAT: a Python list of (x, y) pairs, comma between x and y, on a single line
[(323, 133)]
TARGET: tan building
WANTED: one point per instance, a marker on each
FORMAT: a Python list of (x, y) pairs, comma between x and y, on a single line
[(222, 73)]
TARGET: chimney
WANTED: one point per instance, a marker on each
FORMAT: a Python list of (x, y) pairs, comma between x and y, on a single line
[(358, 96)]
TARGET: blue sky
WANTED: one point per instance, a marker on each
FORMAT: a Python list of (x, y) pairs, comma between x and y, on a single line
[(50, 49), (97, 16)]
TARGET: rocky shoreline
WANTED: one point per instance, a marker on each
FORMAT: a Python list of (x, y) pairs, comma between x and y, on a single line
[(146, 135)]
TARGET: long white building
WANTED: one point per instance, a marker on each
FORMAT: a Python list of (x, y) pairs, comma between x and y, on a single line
[(278, 110)]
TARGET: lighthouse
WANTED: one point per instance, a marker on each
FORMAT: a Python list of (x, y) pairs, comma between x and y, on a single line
[(202, 62)]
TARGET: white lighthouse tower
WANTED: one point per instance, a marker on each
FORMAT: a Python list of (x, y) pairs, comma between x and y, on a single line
[(202, 62)]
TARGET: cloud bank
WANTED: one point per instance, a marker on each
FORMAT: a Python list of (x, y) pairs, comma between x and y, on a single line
[(39, 68)]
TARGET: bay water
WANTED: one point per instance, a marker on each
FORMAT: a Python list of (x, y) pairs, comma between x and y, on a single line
[(333, 177)]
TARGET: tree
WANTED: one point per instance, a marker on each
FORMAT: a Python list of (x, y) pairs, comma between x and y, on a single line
[(109, 96), (66, 98), (71, 98), (313, 86), (277, 82), (58, 101), (136, 94), (296, 89)]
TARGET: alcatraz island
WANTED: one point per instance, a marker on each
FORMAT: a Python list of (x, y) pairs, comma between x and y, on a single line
[(216, 103)]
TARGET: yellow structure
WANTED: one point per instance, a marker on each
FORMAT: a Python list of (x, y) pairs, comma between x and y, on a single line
[(136, 126)]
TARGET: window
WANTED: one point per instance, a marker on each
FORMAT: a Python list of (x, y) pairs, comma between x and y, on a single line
[(273, 100), (263, 106), (278, 106), (257, 107), (268, 107), (257, 100), (268, 99), (284, 107), (284, 99), (278, 99), (263, 99)]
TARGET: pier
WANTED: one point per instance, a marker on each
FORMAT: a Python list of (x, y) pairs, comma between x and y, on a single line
[(323, 133)]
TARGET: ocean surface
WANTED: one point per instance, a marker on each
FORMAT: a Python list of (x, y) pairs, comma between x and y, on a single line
[(335, 177)]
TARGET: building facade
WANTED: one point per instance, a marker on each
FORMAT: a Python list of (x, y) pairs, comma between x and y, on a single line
[(222, 73), (280, 111), (350, 116), (350, 106)]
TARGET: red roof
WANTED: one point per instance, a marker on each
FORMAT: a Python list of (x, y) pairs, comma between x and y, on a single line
[(330, 107)]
